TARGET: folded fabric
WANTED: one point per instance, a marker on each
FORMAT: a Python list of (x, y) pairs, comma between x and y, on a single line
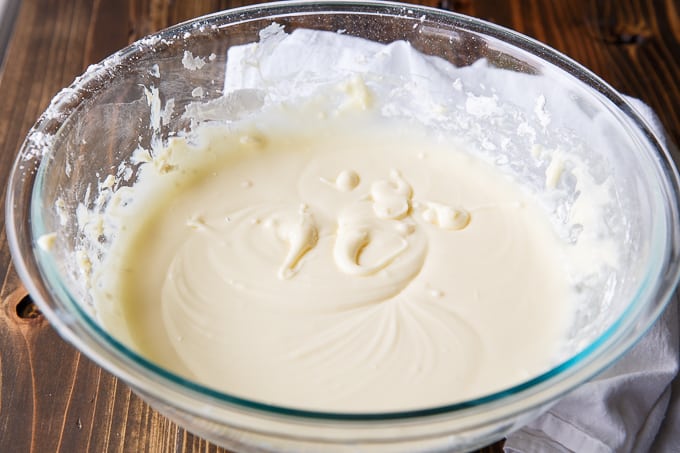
[(634, 406)]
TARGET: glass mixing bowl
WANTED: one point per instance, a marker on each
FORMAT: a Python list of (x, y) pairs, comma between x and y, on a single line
[(96, 124)]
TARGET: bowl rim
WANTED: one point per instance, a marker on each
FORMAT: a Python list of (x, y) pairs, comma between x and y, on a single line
[(140, 373)]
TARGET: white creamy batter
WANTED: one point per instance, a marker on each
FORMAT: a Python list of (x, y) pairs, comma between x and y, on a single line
[(383, 269)]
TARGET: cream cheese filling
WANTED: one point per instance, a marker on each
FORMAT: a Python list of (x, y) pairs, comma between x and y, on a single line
[(297, 264)]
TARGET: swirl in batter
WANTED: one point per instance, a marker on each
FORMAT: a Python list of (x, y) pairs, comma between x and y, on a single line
[(381, 270)]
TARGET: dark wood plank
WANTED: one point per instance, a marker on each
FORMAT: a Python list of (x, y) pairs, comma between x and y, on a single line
[(54, 399)]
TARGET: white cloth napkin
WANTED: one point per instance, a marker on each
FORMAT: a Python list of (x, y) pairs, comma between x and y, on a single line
[(634, 406)]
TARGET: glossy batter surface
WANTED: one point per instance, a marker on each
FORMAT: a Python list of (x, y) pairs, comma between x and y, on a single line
[(378, 270)]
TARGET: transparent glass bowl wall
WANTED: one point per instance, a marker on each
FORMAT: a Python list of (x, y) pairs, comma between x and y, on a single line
[(101, 119)]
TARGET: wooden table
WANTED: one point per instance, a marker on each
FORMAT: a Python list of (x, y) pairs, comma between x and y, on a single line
[(52, 398)]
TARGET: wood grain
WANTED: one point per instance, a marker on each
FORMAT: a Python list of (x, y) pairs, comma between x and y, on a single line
[(54, 399)]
